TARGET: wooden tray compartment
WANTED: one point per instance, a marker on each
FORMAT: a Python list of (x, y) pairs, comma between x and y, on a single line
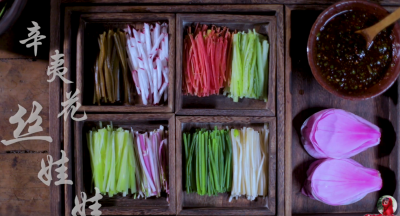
[(304, 97), (194, 204), (220, 104), (118, 205), (91, 25)]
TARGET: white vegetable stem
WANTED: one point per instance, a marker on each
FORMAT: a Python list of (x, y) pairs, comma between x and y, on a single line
[(148, 60), (249, 155)]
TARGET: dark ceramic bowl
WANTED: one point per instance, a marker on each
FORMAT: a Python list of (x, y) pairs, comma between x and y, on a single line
[(370, 8), (11, 14)]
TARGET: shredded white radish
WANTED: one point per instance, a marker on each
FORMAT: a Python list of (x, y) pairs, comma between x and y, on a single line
[(148, 60), (249, 155)]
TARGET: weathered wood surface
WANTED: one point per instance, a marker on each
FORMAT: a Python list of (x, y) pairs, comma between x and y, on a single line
[(55, 98), (304, 97), (307, 2), (68, 134), (22, 81), (21, 192)]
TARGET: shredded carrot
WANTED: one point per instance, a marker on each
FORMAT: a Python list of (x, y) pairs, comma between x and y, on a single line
[(206, 60)]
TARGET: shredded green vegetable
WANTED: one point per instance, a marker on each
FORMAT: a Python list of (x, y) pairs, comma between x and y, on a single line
[(209, 153), (113, 160), (231, 160), (249, 66)]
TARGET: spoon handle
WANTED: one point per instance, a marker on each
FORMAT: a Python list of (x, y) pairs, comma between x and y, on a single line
[(375, 29)]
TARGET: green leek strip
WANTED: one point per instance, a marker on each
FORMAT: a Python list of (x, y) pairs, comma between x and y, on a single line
[(221, 162), (260, 69), (191, 178), (265, 46), (131, 165), (198, 164), (228, 162), (111, 180), (107, 159), (203, 164), (209, 156)]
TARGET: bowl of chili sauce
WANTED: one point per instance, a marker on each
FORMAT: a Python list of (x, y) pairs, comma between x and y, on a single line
[(339, 58)]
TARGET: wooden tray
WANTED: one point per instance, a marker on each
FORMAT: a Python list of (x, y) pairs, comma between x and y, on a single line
[(72, 20), (193, 204), (304, 97), (220, 104), (90, 26), (119, 205)]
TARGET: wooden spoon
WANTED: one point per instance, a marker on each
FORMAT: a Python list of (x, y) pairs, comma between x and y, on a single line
[(370, 33)]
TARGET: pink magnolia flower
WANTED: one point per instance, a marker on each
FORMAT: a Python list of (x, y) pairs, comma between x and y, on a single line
[(335, 133), (340, 181)]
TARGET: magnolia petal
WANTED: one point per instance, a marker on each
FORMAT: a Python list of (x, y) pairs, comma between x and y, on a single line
[(335, 133), (340, 181)]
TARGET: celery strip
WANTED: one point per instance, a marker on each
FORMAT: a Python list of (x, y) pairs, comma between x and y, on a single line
[(115, 162), (249, 78)]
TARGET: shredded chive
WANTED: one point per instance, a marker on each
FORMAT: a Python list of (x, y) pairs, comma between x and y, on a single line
[(213, 162)]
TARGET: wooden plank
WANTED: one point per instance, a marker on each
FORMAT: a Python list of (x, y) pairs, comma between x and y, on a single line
[(236, 9), (21, 191), (309, 2), (55, 91), (288, 119), (23, 81), (69, 194), (288, 108), (280, 111), (382, 111)]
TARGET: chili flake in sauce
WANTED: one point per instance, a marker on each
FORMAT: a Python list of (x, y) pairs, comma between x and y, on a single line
[(343, 57)]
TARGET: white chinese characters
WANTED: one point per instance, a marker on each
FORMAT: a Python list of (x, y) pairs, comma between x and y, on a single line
[(69, 107), (34, 117), (80, 207), (45, 171), (57, 68), (35, 36)]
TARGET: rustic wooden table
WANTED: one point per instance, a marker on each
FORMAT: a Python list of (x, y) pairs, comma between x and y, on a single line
[(23, 80)]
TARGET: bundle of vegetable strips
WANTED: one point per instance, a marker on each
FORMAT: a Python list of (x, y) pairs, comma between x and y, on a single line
[(152, 151), (208, 156), (216, 58), (249, 66), (206, 60), (120, 161), (250, 153), (148, 61), (110, 68)]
